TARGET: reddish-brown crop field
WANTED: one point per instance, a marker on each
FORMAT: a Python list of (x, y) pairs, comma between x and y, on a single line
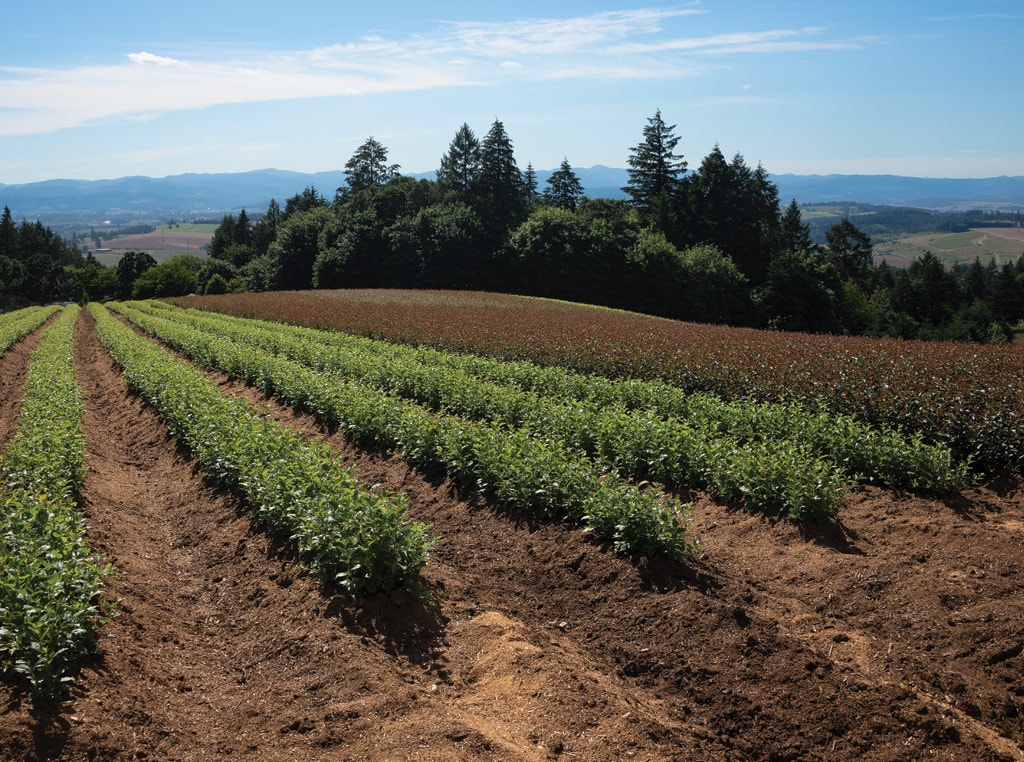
[(892, 632)]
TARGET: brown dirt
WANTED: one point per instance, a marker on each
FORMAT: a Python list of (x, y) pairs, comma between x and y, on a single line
[(13, 371), (895, 633)]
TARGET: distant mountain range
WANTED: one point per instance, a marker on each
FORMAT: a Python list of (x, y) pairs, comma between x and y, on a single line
[(216, 194)]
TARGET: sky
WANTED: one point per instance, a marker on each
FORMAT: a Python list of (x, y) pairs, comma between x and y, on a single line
[(928, 88)]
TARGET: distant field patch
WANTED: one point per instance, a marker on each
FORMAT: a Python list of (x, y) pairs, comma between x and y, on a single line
[(987, 244), (162, 244), (1012, 234)]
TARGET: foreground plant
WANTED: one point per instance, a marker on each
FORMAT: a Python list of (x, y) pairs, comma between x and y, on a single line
[(50, 582), (346, 532)]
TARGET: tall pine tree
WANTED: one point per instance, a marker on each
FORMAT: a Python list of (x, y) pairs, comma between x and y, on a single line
[(654, 173), (564, 188), (796, 234), (461, 165), (368, 167), (498, 192)]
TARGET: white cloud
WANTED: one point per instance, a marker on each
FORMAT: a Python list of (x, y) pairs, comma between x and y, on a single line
[(558, 36), (149, 58)]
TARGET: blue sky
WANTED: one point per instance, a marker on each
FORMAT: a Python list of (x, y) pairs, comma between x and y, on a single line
[(101, 89)]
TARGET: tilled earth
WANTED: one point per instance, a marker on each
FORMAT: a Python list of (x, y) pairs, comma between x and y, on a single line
[(893, 633)]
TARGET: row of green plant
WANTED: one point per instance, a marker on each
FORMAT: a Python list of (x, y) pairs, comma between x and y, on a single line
[(479, 387), (774, 474), (525, 470), (50, 582), (14, 326), (346, 532)]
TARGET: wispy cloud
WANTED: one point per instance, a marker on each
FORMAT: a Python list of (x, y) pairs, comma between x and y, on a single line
[(611, 45), (771, 41)]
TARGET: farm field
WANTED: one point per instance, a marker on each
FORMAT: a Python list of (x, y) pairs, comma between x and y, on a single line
[(1001, 245), (891, 630), (162, 244), (962, 395)]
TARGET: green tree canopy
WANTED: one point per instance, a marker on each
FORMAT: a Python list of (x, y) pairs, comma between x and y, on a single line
[(368, 167), (654, 172), (795, 234), (131, 265), (461, 165), (296, 248), (498, 193), (849, 249), (803, 292), (564, 188)]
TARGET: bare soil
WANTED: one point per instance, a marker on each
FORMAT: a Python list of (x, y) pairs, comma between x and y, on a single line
[(896, 632)]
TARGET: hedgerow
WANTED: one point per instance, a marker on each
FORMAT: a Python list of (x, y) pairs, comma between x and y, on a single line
[(685, 434), (14, 326)]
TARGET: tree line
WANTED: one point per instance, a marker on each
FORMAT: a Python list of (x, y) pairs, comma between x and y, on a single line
[(713, 244)]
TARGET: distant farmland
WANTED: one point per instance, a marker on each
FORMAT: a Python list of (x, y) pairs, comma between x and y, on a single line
[(162, 244), (987, 244)]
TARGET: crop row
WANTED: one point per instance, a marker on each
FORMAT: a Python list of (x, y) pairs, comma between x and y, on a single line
[(14, 326), (480, 387), (49, 580), (964, 396), (345, 532), (774, 474), (522, 469)]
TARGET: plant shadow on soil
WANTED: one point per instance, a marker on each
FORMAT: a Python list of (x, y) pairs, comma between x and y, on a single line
[(51, 725), (402, 622), (658, 573), (406, 624), (830, 532)]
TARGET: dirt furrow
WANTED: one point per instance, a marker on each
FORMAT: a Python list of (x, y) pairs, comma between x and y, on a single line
[(13, 372)]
